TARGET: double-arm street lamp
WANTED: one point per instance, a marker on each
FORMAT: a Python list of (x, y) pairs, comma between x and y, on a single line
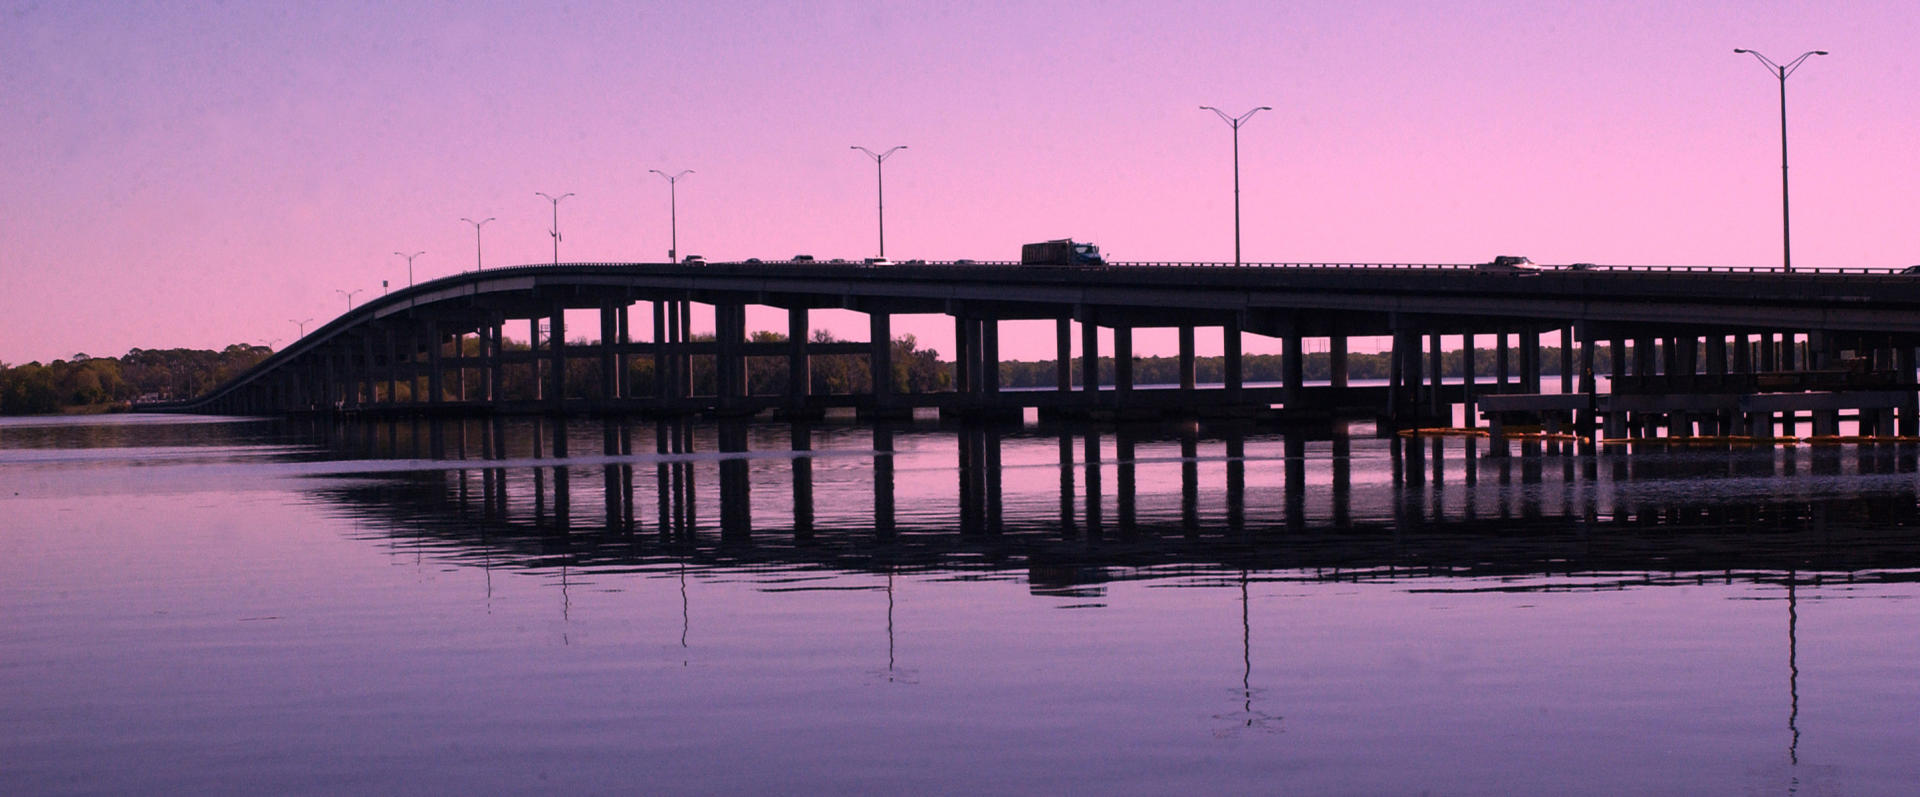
[(555, 232), (302, 324), (1781, 72), (349, 296), (1236, 122), (673, 211), (476, 239), (410, 258), (879, 163)]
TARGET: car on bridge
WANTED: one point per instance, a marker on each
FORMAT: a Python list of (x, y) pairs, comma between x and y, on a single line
[(1511, 263)]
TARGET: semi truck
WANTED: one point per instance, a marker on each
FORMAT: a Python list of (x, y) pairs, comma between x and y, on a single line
[(1062, 252)]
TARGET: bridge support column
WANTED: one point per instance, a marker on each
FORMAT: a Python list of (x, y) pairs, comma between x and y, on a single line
[(1530, 361), (1090, 359), (1063, 354), (1502, 364), (965, 372), (799, 365), (434, 377), (1293, 368), (496, 359), (880, 358), (1436, 403), (1122, 362), (1234, 364), (1567, 374), (623, 361), (367, 379), (1337, 360), (557, 348), (662, 364), (392, 370), (609, 357), (1904, 365), (990, 358), (1187, 373), (1467, 388), (730, 367), (1584, 422)]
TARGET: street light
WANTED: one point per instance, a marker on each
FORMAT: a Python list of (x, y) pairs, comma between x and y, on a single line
[(349, 296), (1786, 229), (410, 258), (881, 181), (302, 323), (673, 248), (1236, 122), (555, 232), (476, 238)]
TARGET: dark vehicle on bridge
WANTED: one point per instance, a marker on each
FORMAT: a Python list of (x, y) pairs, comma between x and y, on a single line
[(1513, 263), (1062, 252)]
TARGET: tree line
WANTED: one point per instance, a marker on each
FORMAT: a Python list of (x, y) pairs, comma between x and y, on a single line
[(100, 383)]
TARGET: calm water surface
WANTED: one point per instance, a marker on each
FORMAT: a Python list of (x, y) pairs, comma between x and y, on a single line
[(239, 606)]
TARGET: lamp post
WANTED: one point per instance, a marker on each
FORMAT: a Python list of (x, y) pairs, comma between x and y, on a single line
[(1781, 72), (302, 324), (1236, 122), (476, 238), (349, 296), (880, 179), (410, 258), (673, 211), (555, 232)]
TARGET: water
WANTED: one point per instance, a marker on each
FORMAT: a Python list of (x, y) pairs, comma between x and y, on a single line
[(213, 605)]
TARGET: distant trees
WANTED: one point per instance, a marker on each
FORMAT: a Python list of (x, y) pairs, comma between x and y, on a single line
[(142, 374)]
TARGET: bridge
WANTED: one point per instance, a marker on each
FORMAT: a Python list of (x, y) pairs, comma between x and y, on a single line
[(1686, 350)]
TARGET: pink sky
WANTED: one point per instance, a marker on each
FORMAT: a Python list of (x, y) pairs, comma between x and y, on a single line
[(181, 174)]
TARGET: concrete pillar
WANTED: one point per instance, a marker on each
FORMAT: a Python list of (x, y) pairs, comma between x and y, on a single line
[(623, 364), (1234, 363), (990, 354), (1089, 357), (1904, 365), (1122, 360), (799, 365), (609, 352), (433, 363), (1530, 361), (662, 364), (1293, 369), (1188, 374), (730, 330), (1436, 404), (1337, 360), (1467, 391), (1502, 364), (1742, 354), (393, 364), (557, 343), (880, 356), (1063, 353), (1567, 374), (964, 375), (496, 356)]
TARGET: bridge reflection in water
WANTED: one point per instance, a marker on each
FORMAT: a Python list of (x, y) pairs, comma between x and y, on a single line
[(1078, 505)]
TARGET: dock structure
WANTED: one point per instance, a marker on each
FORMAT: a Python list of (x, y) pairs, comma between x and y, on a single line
[(1681, 351)]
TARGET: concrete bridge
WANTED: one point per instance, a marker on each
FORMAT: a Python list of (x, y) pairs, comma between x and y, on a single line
[(1692, 350)]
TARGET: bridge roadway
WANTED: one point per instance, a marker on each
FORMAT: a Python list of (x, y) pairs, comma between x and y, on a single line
[(1675, 332)]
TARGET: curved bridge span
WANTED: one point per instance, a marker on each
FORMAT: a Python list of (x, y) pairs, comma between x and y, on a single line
[(1694, 343)]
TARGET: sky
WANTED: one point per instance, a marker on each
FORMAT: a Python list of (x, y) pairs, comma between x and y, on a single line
[(195, 174)]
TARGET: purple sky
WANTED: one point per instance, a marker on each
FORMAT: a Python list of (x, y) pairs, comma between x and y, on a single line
[(197, 174)]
